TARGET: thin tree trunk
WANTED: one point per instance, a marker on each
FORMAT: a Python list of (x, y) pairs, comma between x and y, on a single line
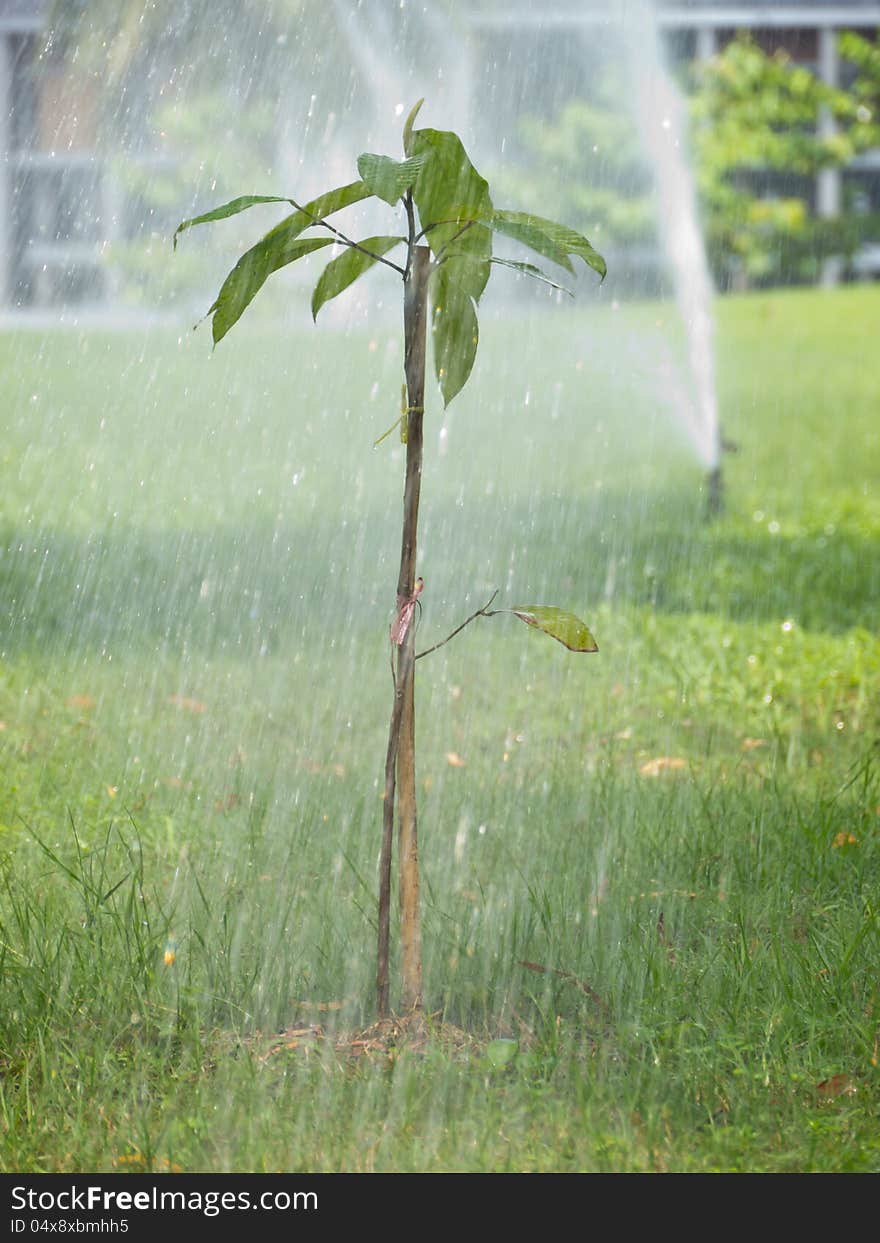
[(400, 758)]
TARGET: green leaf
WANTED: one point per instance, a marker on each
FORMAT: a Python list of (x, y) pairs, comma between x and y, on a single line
[(452, 198), (386, 178), (526, 231), (279, 247), (448, 181), (547, 237), (232, 208), (470, 272), (565, 627), (408, 128), (529, 269), (455, 332), (253, 269), (325, 205), (345, 270)]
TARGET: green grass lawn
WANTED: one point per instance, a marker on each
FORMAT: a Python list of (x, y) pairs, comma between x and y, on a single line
[(198, 558)]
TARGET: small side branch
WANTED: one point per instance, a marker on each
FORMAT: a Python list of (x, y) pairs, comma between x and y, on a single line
[(437, 224), (347, 241), (481, 612), (441, 254)]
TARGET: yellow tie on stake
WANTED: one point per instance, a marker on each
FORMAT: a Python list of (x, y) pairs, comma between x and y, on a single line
[(401, 422)]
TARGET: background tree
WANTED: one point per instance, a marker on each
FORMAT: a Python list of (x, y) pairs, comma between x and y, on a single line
[(757, 149), (864, 57), (585, 164)]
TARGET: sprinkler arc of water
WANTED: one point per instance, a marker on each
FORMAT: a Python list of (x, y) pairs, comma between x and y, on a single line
[(660, 114)]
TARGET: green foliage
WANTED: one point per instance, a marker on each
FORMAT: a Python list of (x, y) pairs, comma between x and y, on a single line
[(567, 629), (276, 250), (447, 267), (280, 247), (352, 263), (721, 1025), (453, 201), (228, 209), (758, 145), (555, 241), (436, 182), (760, 111), (588, 166), (455, 330), (388, 179), (865, 56), (757, 148)]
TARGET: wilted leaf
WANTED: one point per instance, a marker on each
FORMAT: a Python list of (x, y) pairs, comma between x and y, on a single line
[(844, 839), (386, 178), (351, 264), (837, 1085), (662, 764), (569, 977), (80, 701), (565, 627), (226, 804), (189, 705), (295, 1038), (155, 1164), (455, 332)]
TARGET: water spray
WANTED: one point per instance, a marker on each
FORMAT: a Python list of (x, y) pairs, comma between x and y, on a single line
[(661, 116)]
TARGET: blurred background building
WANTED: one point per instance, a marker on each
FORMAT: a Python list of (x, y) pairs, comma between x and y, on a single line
[(101, 107)]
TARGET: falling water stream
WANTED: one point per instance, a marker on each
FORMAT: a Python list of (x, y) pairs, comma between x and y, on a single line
[(661, 116), (630, 36)]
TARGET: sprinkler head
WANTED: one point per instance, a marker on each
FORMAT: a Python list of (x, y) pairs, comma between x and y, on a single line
[(714, 492)]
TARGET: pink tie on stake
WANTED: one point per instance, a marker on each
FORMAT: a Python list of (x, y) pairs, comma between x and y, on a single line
[(405, 609)]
